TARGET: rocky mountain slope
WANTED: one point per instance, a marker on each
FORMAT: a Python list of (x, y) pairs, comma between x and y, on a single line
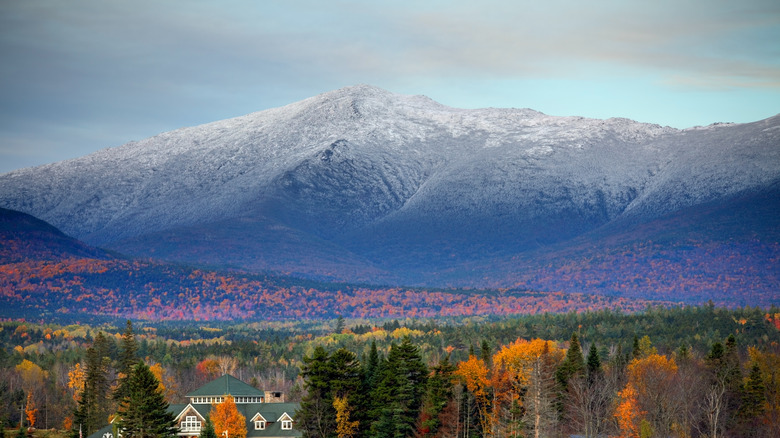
[(363, 184)]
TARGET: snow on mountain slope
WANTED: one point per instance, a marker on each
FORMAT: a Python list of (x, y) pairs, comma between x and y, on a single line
[(386, 175)]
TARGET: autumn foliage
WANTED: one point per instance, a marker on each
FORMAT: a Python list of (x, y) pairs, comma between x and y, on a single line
[(226, 417), (145, 290)]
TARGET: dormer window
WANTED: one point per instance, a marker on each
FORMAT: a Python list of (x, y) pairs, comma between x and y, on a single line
[(286, 425), (260, 425)]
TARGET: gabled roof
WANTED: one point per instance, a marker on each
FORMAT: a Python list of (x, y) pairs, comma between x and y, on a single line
[(224, 385), (179, 410)]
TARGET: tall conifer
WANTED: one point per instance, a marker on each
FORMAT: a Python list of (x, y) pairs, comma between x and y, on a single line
[(400, 389), (572, 365), (316, 416), (94, 405), (753, 402), (143, 411), (127, 361), (593, 364)]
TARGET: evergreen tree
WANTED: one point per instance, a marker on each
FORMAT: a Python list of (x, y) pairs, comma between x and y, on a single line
[(370, 373), (372, 364), (486, 353), (572, 365), (636, 351), (437, 396), (345, 374), (316, 416), (94, 405), (593, 363), (346, 382), (144, 412), (127, 361), (208, 429), (753, 402), (401, 389)]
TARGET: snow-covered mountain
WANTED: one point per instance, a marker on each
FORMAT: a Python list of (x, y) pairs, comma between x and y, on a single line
[(361, 183)]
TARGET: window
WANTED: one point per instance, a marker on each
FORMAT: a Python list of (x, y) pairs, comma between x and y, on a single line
[(286, 425), (259, 425), (190, 424)]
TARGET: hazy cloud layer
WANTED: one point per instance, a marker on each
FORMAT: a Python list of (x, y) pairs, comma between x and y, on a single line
[(81, 75)]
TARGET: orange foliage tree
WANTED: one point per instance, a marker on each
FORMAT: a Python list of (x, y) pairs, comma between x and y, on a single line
[(208, 368), (650, 398), (226, 417), (30, 411), (627, 413)]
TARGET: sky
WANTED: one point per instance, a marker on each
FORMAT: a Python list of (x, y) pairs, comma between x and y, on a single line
[(77, 76)]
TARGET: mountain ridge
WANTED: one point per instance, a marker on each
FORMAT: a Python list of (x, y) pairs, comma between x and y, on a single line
[(363, 183)]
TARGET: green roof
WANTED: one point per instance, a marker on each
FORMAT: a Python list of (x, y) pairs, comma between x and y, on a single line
[(226, 385), (270, 411)]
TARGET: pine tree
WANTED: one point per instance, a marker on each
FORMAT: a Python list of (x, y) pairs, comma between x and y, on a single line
[(400, 389), (127, 361), (339, 325), (144, 412), (572, 365), (345, 373), (94, 405), (316, 416), (368, 405), (753, 402), (485, 353), (636, 351), (593, 363), (437, 396), (208, 429)]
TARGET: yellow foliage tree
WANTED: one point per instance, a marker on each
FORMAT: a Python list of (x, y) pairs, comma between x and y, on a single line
[(519, 357), (519, 366), (76, 378), (226, 417), (32, 375), (474, 373), (344, 427), (158, 372)]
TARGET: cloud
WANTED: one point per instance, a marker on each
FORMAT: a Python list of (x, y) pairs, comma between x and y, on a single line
[(573, 38), (153, 66)]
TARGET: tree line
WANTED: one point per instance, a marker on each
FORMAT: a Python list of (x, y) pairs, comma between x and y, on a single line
[(39, 362), (542, 388)]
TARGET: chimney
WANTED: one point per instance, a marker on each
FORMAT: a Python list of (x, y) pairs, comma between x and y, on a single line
[(274, 397)]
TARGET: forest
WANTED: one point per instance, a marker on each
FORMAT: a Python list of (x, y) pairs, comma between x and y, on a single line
[(665, 371), (75, 288)]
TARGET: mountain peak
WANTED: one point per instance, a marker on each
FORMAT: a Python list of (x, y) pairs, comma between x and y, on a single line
[(390, 180)]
